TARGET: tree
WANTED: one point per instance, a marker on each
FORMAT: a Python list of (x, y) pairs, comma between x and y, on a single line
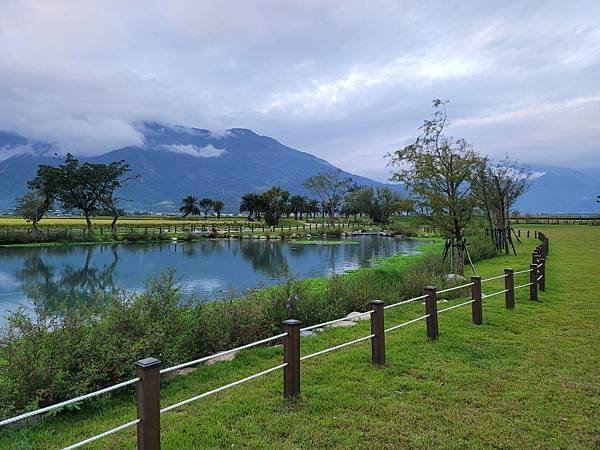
[(250, 203), (378, 203), (406, 205), (298, 205), (498, 186), (189, 206), (218, 206), (84, 186), (331, 188), (274, 203), (32, 207), (206, 204), (313, 207), (441, 170)]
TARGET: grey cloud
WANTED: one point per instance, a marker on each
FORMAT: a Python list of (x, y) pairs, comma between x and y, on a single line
[(348, 81)]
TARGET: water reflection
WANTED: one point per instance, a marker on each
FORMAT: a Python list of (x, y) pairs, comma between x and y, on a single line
[(61, 276)]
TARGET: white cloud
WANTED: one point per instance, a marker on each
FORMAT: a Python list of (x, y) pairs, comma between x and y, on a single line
[(200, 152)]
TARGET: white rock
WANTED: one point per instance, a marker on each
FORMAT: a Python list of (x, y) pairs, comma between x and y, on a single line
[(216, 359), (342, 324), (355, 315)]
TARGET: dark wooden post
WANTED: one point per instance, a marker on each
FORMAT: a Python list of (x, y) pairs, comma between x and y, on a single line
[(476, 306), (527, 233), (431, 311), (519, 233), (533, 284), (148, 404), (377, 328), (509, 286), (542, 272), (291, 356)]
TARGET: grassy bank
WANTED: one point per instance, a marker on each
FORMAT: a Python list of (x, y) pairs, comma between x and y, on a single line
[(526, 378)]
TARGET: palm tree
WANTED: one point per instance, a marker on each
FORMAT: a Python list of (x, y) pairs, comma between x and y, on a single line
[(218, 206), (189, 206), (297, 205), (250, 203), (206, 204), (313, 207)]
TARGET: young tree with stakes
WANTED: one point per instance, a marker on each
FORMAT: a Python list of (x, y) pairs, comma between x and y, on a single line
[(441, 170)]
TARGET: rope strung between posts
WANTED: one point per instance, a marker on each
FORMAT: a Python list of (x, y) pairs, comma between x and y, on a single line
[(69, 402), (341, 319), (330, 349), (223, 353), (101, 435), (495, 293), (522, 271), (455, 288), (455, 306), (494, 278), (404, 302), (395, 327), (222, 388), (522, 286)]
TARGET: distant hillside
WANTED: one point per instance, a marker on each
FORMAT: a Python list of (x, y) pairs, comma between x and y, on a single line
[(176, 161)]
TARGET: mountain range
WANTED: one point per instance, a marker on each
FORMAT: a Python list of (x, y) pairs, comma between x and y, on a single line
[(176, 161)]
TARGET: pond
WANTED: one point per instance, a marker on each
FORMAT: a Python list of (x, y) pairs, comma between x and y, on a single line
[(62, 275)]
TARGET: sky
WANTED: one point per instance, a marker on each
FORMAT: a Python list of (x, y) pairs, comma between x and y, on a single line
[(348, 81)]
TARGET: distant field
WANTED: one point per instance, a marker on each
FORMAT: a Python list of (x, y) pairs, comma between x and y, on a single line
[(142, 221)]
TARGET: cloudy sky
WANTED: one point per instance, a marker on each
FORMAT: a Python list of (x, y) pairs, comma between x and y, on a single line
[(345, 80)]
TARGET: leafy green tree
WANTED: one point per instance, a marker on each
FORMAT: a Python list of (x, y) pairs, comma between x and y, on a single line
[(378, 203), (251, 203), (331, 188), (275, 203), (84, 187), (32, 207), (218, 206), (313, 207), (206, 204), (298, 205), (189, 206), (441, 171)]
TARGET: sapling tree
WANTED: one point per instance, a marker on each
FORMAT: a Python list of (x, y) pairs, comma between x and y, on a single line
[(440, 170), (498, 186)]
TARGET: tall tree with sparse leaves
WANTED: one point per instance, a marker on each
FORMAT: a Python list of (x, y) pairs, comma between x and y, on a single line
[(441, 170)]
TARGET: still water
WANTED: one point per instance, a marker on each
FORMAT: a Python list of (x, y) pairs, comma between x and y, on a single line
[(58, 276)]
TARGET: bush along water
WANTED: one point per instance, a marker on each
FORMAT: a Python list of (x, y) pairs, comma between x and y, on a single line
[(49, 357)]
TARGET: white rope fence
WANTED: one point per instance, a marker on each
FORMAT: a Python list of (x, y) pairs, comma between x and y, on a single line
[(336, 347), (404, 302), (494, 278), (223, 353), (395, 327), (455, 306), (101, 435), (69, 402), (462, 286), (222, 388), (495, 293)]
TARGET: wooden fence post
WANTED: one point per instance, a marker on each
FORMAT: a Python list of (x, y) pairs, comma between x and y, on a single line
[(533, 284), (542, 273), (377, 328), (431, 311), (476, 306), (509, 286), (148, 404), (291, 356)]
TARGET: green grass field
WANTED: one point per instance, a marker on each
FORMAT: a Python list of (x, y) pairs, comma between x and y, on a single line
[(526, 378)]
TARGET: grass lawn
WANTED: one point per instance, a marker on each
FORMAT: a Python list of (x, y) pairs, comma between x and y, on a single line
[(526, 378)]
